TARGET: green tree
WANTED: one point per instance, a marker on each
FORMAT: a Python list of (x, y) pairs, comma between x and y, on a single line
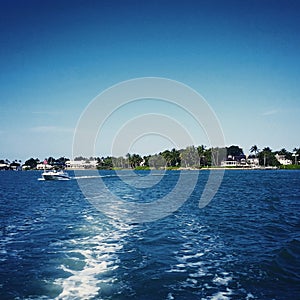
[(207, 159), (167, 156), (119, 162), (128, 156), (296, 150), (189, 157), (295, 155), (267, 158), (146, 160), (80, 158), (31, 162), (287, 154), (136, 160), (201, 152), (157, 161), (175, 158), (51, 160), (235, 151), (105, 163), (219, 154), (254, 149)]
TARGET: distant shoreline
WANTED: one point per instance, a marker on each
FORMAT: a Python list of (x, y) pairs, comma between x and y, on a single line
[(186, 169)]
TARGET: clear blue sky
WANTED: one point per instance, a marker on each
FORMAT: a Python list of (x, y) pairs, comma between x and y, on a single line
[(56, 56)]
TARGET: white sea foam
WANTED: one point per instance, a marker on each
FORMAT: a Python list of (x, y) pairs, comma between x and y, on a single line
[(249, 296), (222, 295), (170, 296), (86, 177), (93, 176), (191, 256), (89, 259), (174, 270), (193, 281), (199, 273), (222, 280)]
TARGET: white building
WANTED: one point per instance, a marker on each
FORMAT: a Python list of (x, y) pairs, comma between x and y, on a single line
[(282, 160), (229, 163), (253, 161), (250, 162), (43, 166), (4, 166), (81, 164)]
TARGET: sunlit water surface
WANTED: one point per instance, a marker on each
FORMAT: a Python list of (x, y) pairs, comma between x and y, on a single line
[(244, 245)]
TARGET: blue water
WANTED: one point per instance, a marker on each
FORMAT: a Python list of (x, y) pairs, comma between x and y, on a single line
[(244, 245)]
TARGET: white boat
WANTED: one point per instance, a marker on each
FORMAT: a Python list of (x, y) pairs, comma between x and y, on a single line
[(55, 175)]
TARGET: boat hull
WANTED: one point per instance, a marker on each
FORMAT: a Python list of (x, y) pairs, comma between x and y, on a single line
[(55, 176)]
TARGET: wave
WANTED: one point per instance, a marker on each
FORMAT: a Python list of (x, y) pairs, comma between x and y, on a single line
[(90, 261)]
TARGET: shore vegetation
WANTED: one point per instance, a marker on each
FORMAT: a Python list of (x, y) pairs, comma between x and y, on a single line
[(192, 157)]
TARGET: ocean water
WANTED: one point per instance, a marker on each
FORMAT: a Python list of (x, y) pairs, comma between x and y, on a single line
[(245, 244)]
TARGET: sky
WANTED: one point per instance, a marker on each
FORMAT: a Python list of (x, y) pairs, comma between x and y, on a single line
[(57, 56)]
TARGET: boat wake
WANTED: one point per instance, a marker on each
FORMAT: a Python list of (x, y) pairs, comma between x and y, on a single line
[(93, 176), (61, 179), (90, 262)]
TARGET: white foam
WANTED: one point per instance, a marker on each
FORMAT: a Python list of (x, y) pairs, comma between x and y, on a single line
[(187, 257), (92, 176), (170, 296), (98, 254), (222, 295), (87, 177), (174, 270), (194, 281), (195, 264), (199, 273), (222, 281)]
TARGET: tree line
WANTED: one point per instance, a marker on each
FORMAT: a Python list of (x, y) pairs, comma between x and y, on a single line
[(195, 157), (190, 157)]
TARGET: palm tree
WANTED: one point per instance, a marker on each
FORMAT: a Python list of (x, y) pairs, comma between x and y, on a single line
[(296, 154), (201, 151), (168, 157), (136, 160), (296, 150), (254, 149), (175, 157), (267, 149), (128, 156)]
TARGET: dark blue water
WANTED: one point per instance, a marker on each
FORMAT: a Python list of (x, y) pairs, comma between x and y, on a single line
[(244, 245)]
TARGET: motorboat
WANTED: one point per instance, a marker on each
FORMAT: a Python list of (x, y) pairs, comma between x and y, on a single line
[(55, 175)]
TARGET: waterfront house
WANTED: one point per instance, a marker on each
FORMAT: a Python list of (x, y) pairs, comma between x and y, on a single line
[(81, 164), (4, 166), (43, 166), (283, 160), (234, 161), (252, 161)]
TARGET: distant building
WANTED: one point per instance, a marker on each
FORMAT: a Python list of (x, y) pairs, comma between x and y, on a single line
[(15, 166), (229, 163), (81, 164), (4, 166), (282, 160), (234, 161), (43, 166), (253, 161), (241, 161)]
